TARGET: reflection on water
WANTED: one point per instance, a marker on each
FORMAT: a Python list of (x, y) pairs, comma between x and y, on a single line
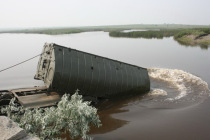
[(106, 110)]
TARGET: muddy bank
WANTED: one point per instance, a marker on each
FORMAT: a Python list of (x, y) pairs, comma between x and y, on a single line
[(194, 40)]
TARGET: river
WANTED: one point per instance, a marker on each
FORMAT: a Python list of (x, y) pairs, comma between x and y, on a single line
[(177, 107)]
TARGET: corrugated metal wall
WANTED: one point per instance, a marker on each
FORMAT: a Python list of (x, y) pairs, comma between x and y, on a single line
[(95, 75)]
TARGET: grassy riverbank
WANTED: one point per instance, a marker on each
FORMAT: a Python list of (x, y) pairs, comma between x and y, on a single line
[(110, 28), (194, 37), (188, 37)]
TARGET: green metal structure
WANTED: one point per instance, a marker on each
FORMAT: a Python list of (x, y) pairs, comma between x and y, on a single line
[(65, 70)]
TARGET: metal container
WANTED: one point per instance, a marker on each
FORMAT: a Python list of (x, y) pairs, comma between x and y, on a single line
[(65, 70)]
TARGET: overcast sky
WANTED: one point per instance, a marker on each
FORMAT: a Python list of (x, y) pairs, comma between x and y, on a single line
[(59, 13)]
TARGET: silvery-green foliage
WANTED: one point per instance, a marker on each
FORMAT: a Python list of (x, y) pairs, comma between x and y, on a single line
[(13, 111), (72, 114)]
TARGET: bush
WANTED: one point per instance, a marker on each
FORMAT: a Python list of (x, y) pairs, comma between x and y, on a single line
[(206, 30), (71, 115)]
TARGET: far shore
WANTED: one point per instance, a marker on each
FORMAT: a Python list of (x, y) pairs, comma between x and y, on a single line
[(189, 35)]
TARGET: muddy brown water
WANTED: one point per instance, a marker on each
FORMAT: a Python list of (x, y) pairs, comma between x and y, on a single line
[(177, 107)]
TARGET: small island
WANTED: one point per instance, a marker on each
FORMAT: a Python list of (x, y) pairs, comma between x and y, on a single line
[(187, 37), (194, 37)]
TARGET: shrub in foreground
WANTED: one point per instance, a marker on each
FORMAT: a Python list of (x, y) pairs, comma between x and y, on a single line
[(71, 115)]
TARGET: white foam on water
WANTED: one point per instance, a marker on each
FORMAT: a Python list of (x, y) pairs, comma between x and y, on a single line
[(158, 92), (179, 79)]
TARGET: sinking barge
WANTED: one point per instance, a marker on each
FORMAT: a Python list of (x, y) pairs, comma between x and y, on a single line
[(64, 70)]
